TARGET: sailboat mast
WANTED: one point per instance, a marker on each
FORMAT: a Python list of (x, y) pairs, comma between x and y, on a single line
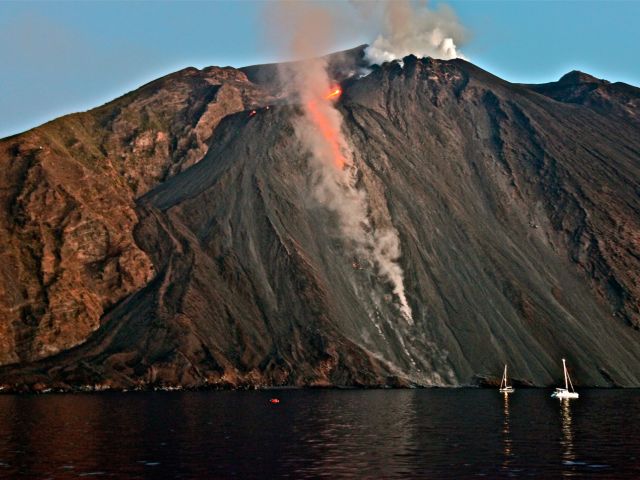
[(566, 383)]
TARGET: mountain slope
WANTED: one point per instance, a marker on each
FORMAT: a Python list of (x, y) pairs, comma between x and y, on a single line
[(518, 211), (67, 197), (611, 99)]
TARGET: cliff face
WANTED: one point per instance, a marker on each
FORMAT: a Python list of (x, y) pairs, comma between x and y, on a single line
[(175, 240), (67, 196)]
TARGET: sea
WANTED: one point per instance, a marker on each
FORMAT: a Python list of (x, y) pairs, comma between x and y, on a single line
[(376, 434)]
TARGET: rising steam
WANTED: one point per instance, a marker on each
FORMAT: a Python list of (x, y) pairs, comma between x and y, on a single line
[(409, 28), (320, 131)]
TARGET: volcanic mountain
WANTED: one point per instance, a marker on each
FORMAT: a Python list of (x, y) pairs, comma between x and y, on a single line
[(169, 238)]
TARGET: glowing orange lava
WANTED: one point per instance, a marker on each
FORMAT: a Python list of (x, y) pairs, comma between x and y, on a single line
[(327, 129), (335, 93)]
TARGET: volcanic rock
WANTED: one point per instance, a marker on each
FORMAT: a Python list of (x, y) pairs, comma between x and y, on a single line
[(170, 238)]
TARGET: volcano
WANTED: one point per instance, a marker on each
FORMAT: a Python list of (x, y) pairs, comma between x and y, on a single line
[(169, 239)]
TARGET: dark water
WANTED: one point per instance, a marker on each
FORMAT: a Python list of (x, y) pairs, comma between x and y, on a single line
[(311, 434)]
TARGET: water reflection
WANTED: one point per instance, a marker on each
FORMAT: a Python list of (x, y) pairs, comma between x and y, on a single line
[(311, 434), (334, 432), (507, 441), (567, 442)]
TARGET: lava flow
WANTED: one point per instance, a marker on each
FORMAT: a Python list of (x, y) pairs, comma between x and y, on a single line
[(335, 93), (321, 113)]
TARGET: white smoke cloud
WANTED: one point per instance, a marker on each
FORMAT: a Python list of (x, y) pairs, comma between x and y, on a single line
[(310, 27), (386, 252), (335, 188), (409, 28)]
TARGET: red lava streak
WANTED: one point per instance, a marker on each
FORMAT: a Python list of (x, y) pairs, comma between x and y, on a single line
[(319, 113), (335, 93)]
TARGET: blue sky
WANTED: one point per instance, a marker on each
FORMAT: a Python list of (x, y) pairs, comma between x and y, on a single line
[(61, 57)]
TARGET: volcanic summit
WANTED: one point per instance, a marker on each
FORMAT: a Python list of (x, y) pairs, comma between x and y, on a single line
[(175, 237)]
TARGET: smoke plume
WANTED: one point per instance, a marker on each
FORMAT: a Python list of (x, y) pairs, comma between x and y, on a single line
[(320, 131), (410, 28)]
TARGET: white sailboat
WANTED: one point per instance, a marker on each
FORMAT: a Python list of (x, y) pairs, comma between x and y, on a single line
[(565, 392), (504, 385)]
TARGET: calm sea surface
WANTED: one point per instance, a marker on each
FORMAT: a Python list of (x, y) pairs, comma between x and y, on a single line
[(321, 433)]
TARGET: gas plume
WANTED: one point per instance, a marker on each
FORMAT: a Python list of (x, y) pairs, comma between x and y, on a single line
[(412, 28), (320, 131)]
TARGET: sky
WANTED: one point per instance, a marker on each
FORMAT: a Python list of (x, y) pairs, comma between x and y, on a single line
[(62, 57)]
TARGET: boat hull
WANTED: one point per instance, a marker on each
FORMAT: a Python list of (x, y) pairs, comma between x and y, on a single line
[(562, 393)]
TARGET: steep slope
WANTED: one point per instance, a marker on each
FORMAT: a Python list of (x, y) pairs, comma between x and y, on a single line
[(519, 219), (67, 199)]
